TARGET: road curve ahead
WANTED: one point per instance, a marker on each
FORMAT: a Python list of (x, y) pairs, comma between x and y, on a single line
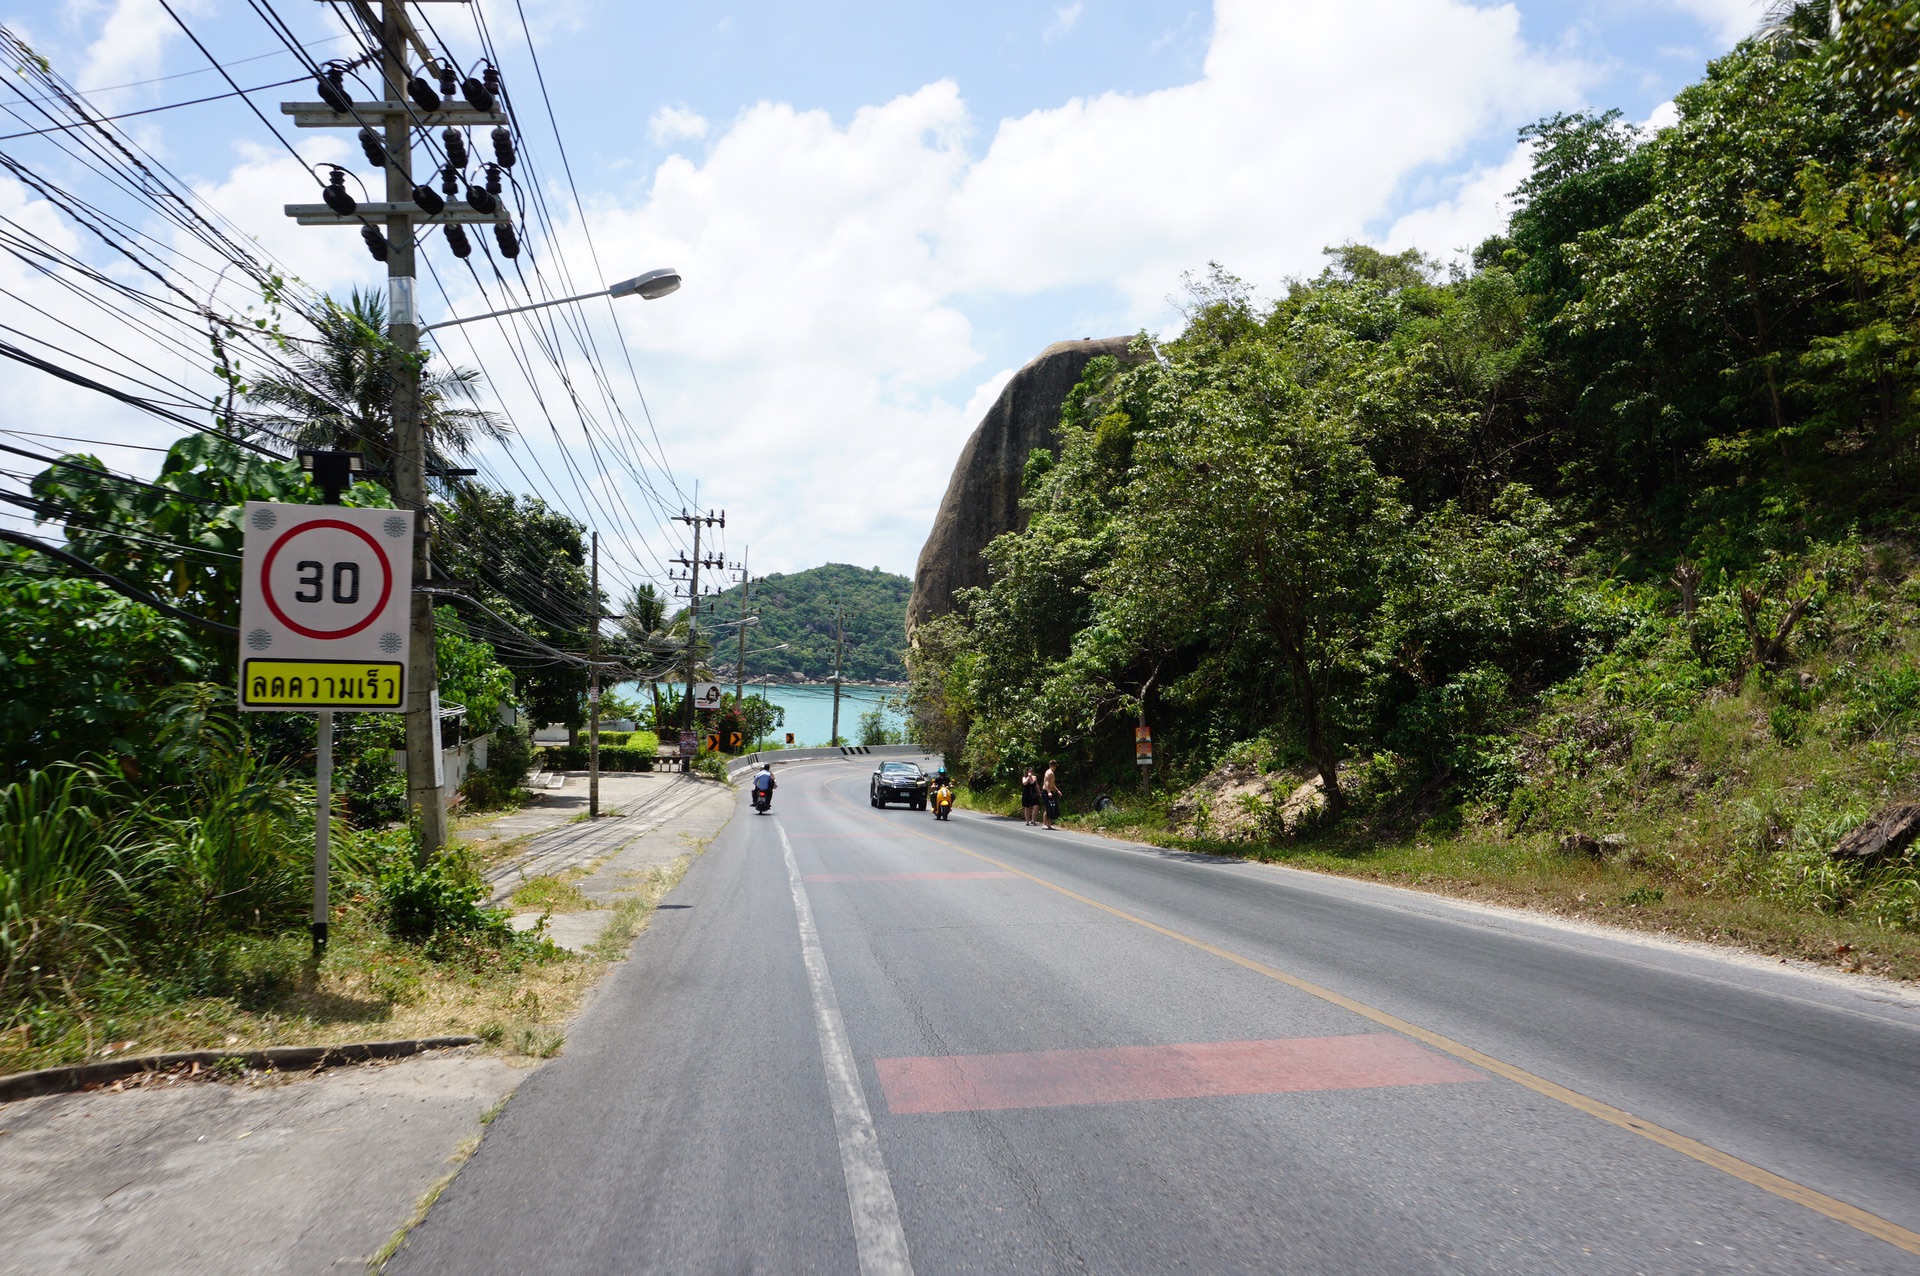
[(865, 1041)]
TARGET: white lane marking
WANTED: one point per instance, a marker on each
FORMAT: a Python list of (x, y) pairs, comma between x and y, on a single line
[(877, 1235)]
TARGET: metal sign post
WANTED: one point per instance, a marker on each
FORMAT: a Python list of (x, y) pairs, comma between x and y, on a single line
[(325, 599), (322, 826)]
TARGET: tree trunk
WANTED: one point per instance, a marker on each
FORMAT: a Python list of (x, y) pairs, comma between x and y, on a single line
[(1319, 749)]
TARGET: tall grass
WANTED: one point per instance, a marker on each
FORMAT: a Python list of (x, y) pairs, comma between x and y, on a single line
[(63, 875)]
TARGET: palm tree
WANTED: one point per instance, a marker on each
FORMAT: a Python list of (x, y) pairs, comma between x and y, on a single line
[(647, 643), (338, 391)]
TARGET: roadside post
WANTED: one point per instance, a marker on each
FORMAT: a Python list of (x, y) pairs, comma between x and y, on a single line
[(326, 597), (1143, 754)]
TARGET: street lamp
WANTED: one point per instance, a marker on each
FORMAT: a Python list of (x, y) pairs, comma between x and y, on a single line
[(648, 287)]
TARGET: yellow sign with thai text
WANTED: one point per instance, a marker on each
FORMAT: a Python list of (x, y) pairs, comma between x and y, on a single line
[(321, 684)]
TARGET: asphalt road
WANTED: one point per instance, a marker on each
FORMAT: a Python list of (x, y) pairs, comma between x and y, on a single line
[(859, 1040)]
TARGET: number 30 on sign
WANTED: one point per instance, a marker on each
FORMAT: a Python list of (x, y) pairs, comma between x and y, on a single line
[(325, 599)]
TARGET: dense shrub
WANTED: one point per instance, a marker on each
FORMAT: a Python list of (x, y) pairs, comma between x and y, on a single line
[(573, 757)]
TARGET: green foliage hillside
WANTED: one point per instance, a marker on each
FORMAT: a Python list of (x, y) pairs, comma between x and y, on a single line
[(798, 609), (1612, 532)]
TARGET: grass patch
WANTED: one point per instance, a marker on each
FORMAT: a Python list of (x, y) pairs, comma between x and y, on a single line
[(461, 1155), (1674, 785), (1636, 888), (553, 893), (630, 915)]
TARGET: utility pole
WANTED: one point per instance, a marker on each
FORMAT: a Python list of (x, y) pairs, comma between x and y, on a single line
[(693, 565), (740, 666), (424, 768), (593, 692), (387, 227), (839, 649)]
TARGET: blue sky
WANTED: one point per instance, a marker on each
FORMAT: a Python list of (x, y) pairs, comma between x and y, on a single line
[(883, 209)]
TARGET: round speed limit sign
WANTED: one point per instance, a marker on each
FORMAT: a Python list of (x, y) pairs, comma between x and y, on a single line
[(326, 593), (326, 579)]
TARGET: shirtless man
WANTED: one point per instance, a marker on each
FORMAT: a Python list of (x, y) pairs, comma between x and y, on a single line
[(1050, 794)]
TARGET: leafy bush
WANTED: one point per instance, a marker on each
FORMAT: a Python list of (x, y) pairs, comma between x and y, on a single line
[(510, 754), (439, 901), (485, 789), (874, 729), (574, 758), (710, 764)]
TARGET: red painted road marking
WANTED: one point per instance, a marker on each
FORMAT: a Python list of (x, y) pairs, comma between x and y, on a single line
[(900, 877), (1056, 1078)]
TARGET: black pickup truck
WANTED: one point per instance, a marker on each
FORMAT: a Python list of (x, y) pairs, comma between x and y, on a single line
[(898, 782)]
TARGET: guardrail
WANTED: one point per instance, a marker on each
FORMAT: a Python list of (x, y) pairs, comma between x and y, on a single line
[(751, 761)]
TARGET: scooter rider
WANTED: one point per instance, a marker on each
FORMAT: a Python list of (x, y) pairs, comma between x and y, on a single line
[(764, 783)]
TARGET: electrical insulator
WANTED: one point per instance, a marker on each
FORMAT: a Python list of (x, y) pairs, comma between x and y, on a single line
[(493, 179), (456, 143), (482, 201), (336, 193), (503, 145), (491, 78), (423, 95), (508, 241), (450, 181), (370, 143), (476, 94), (331, 90), (376, 242), (458, 241), (428, 199), (449, 81)]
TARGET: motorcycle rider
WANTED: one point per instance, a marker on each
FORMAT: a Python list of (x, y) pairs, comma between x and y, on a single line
[(765, 784)]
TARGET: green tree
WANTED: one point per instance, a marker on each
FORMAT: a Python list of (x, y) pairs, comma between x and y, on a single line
[(528, 564), (78, 663), (339, 390), (1269, 531)]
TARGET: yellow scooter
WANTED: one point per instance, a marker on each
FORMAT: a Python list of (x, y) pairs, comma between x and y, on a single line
[(942, 801)]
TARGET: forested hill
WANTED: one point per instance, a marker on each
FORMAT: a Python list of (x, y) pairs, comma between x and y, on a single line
[(1614, 532), (798, 609)]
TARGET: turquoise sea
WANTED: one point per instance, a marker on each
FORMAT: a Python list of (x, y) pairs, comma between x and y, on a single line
[(809, 708)]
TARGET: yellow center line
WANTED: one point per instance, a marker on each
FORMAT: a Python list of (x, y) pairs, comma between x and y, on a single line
[(1745, 1171)]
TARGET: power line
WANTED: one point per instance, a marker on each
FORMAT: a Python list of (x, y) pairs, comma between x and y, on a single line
[(151, 110)]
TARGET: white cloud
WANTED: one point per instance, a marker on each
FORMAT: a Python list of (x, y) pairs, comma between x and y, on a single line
[(1305, 121), (821, 366), (671, 124), (133, 42), (1728, 20), (1450, 229), (1065, 18), (1665, 115)]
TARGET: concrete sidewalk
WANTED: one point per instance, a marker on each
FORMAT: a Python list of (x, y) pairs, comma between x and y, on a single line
[(281, 1176), (660, 822), (305, 1174)]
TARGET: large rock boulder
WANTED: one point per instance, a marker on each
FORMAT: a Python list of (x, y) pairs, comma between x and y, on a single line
[(983, 496), (1887, 836)]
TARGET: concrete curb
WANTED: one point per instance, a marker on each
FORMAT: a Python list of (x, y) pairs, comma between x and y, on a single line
[(78, 1076)]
